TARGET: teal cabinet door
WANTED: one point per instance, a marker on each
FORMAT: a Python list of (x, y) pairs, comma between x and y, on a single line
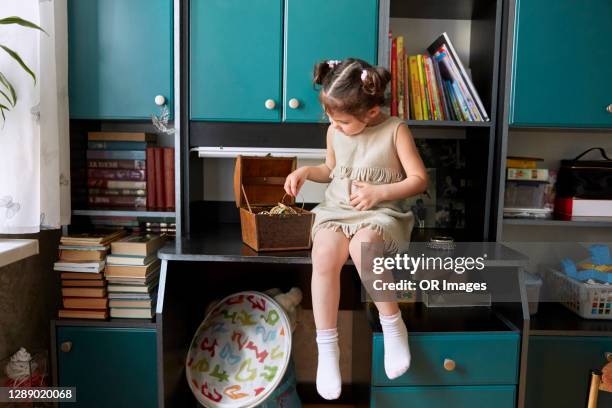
[(489, 396), (558, 370), (562, 64), (120, 57), (236, 49), (110, 367), (317, 30)]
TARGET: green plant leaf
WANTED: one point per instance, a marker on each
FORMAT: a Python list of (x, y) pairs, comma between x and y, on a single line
[(9, 87), (20, 21), (8, 99), (2, 109), (17, 58)]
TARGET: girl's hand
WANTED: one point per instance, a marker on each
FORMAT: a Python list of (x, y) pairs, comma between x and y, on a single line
[(364, 195), (295, 181)]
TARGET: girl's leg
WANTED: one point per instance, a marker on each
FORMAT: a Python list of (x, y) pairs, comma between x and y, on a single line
[(329, 253), (397, 353)]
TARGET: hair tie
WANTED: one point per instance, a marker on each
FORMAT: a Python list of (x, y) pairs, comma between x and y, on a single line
[(364, 75), (332, 63)]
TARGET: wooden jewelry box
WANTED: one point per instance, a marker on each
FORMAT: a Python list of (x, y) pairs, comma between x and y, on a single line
[(259, 186)]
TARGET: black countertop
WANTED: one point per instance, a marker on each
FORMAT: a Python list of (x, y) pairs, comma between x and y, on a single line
[(223, 243)]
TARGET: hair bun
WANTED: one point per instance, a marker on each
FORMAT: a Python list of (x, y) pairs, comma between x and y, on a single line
[(321, 71)]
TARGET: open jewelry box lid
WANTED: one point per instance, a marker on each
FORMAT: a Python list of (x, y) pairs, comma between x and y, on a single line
[(263, 180)]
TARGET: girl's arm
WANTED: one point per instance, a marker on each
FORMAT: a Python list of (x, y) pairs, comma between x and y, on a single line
[(319, 174), (368, 195), (416, 175)]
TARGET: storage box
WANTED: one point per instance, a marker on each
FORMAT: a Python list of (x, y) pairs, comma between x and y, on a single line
[(259, 186), (525, 194)]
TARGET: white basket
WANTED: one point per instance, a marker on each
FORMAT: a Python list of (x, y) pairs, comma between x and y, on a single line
[(591, 301)]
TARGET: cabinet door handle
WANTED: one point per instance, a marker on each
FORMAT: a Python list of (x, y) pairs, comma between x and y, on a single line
[(66, 346), (609, 108), (160, 100), (270, 104), (449, 364), (294, 103)]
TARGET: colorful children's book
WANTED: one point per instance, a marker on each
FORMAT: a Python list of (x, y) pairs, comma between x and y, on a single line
[(415, 89), (444, 44), (424, 94)]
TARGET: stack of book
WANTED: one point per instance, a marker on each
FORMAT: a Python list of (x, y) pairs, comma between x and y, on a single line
[(160, 226), (529, 188), (81, 262), (117, 170), (433, 86), (132, 272)]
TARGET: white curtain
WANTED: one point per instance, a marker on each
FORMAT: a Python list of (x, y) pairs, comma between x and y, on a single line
[(34, 139)]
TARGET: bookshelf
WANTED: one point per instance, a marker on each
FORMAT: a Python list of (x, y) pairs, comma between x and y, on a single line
[(545, 137), (447, 123), (556, 223), (474, 28), (82, 214), (121, 213)]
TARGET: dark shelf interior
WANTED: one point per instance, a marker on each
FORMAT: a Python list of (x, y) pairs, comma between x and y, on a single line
[(555, 319), (420, 318), (438, 9)]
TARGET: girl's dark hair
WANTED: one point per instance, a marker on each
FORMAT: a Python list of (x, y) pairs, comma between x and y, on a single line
[(344, 90)]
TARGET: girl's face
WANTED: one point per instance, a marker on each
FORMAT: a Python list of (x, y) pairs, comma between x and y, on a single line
[(351, 125)]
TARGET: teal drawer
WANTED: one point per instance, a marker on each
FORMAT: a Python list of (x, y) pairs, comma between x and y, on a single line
[(494, 396), (480, 358)]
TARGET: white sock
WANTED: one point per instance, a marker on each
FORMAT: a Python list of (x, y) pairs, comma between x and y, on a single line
[(329, 382), (397, 352)]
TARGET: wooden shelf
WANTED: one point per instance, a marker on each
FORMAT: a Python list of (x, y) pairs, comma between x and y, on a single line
[(120, 213), (554, 319), (123, 323), (555, 223), (447, 124)]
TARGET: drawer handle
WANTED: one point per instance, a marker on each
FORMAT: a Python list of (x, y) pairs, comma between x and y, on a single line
[(160, 100), (449, 364), (294, 103), (609, 108), (66, 346), (270, 104)]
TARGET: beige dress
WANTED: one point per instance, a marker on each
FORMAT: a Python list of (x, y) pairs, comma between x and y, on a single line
[(370, 156)]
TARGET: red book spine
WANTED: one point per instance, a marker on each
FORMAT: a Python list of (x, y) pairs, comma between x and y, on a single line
[(159, 177), (169, 178), (394, 78), (150, 178)]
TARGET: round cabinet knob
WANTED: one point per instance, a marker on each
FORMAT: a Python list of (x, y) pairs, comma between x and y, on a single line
[(160, 100), (609, 108), (449, 365), (270, 104), (66, 346), (294, 103)]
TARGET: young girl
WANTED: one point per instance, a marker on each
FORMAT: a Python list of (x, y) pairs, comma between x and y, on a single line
[(373, 165)]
